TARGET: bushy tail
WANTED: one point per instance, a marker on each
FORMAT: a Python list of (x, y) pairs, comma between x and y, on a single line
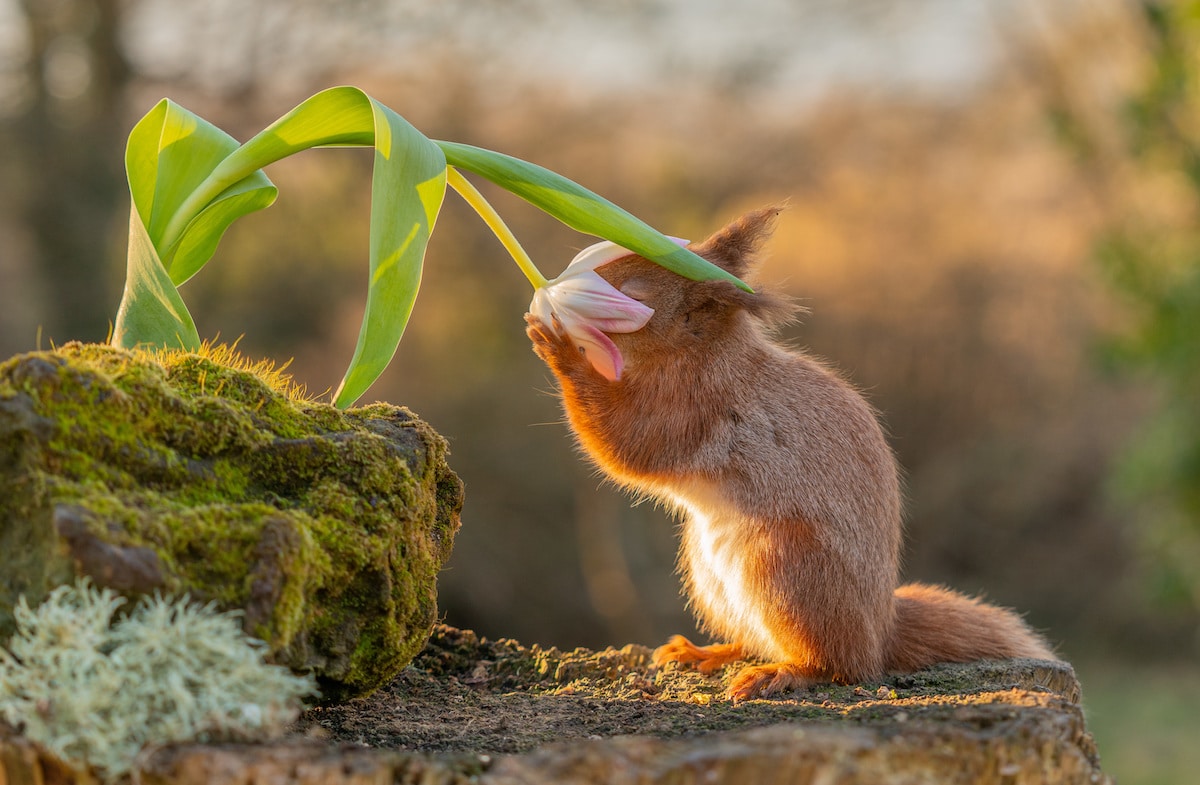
[(938, 625)]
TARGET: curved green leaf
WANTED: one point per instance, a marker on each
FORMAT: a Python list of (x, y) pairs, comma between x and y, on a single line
[(407, 186), (583, 210), (151, 311), (169, 152), (204, 232), (337, 116), (408, 182), (189, 181)]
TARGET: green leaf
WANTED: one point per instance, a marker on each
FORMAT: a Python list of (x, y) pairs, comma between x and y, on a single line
[(583, 210), (169, 152), (408, 183), (151, 312), (407, 187), (199, 242), (189, 181)]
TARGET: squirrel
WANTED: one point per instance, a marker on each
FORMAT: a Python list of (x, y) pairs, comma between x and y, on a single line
[(787, 489)]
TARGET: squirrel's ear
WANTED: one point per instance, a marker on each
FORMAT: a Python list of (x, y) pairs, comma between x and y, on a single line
[(734, 247)]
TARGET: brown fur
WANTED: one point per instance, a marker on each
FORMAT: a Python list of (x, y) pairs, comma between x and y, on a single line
[(787, 488)]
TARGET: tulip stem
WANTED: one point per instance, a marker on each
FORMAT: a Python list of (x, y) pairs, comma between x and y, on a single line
[(490, 217)]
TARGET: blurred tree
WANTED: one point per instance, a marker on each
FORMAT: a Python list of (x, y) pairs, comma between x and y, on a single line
[(1145, 163), (64, 149), (1153, 257)]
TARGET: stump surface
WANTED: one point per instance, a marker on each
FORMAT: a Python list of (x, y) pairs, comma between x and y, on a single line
[(497, 712)]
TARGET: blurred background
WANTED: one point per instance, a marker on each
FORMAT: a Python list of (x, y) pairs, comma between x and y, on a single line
[(994, 220)]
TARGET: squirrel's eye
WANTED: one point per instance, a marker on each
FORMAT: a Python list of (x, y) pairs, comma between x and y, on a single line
[(636, 288)]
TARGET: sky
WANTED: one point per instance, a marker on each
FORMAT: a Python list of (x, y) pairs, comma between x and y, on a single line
[(782, 50)]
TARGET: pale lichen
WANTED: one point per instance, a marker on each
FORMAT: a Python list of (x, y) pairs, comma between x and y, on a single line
[(97, 692)]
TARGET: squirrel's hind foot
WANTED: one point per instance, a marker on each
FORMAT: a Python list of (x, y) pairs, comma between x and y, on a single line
[(752, 681), (705, 659), (760, 681)]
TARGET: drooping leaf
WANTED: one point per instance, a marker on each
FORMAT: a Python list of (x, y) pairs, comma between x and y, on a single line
[(189, 181), (408, 182), (203, 234), (169, 152), (151, 311), (407, 188), (582, 210)]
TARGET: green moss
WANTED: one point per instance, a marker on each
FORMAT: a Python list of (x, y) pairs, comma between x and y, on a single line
[(202, 474)]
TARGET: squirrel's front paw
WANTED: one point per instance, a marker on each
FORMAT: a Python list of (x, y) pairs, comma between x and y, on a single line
[(553, 344)]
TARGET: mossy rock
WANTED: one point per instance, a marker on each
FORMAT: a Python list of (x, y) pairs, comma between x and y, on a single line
[(195, 474)]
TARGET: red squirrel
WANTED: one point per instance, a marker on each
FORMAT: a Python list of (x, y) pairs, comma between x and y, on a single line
[(787, 489)]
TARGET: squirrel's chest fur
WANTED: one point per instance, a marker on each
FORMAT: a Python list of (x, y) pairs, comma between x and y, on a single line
[(721, 575)]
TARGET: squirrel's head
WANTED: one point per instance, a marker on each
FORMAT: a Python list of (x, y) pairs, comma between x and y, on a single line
[(692, 314)]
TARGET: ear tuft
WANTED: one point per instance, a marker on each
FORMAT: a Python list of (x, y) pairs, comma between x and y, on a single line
[(734, 247), (773, 309)]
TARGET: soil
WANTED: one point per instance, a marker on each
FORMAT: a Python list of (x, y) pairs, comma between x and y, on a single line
[(466, 700)]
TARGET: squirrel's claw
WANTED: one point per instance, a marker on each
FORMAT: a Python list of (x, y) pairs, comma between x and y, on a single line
[(760, 681), (553, 344)]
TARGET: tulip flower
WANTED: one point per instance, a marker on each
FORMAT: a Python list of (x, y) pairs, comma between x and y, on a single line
[(583, 303), (587, 307)]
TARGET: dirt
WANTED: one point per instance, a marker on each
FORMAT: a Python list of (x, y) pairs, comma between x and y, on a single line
[(466, 700)]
